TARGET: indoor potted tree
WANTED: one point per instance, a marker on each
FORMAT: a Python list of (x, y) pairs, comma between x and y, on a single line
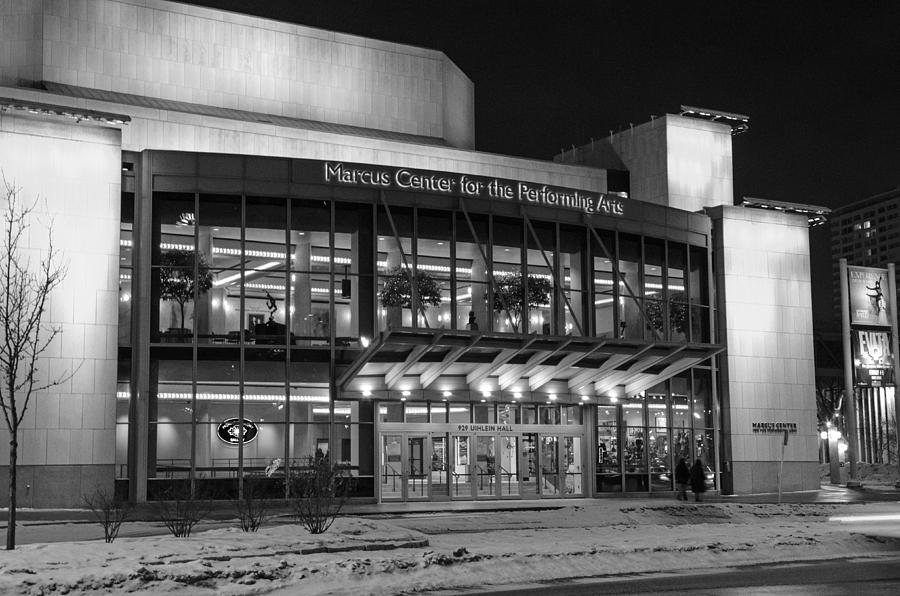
[(508, 294), (176, 280), (678, 320), (396, 294)]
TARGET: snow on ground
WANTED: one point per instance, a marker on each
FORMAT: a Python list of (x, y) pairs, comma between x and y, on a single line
[(446, 550)]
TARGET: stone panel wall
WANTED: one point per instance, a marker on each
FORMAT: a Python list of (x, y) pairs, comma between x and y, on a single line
[(186, 53), (74, 170), (765, 320)]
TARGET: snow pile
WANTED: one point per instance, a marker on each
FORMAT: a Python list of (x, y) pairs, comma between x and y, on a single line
[(451, 551)]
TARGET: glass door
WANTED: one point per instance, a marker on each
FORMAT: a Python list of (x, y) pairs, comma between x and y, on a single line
[(509, 468), (485, 467), (460, 472), (528, 465), (550, 485), (440, 472), (417, 469), (391, 467), (572, 458)]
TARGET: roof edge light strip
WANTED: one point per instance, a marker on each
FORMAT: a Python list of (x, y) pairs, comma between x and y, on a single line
[(176, 396)]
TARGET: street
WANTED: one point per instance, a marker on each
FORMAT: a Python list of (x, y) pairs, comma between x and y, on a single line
[(870, 576)]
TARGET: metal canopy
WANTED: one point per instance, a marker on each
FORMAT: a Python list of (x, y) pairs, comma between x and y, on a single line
[(405, 358)]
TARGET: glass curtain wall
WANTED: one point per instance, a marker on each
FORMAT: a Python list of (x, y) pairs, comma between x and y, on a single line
[(510, 310), (473, 272), (605, 293), (249, 294), (641, 438), (544, 290), (240, 349)]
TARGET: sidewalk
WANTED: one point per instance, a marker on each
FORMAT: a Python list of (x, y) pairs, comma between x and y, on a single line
[(56, 525)]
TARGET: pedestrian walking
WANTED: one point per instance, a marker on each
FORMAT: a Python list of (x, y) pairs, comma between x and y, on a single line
[(682, 478), (698, 480)]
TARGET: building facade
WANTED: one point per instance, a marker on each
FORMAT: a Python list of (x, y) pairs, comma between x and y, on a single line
[(866, 233), (282, 245)]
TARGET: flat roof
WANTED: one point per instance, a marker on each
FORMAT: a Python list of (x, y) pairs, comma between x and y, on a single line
[(233, 114)]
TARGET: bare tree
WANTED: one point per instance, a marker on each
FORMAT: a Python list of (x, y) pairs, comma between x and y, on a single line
[(829, 397), (24, 291)]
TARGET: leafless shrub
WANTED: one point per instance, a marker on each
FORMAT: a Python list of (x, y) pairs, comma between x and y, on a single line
[(181, 510), (110, 511), (252, 508), (319, 491)]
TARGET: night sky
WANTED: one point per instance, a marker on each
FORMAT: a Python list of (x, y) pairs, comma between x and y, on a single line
[(820, 81)]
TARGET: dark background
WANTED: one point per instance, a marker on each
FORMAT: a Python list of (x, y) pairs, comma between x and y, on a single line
[(820, 81)]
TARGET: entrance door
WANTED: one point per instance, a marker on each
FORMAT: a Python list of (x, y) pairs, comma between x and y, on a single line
[(440, 468), (391, 467), (528, 466), (509, 467), (550, 485), (417, 471), (571, 458), (485, 466), (460, 471)]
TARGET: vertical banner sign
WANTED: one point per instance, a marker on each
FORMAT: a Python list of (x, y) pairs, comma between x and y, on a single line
[(869, 301), (870, 305), (873, 362)]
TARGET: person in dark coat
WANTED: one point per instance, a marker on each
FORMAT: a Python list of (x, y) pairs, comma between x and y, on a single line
[(698, 479), (682, 478)]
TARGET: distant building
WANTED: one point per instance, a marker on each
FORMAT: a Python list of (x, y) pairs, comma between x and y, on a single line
[(866, 233)]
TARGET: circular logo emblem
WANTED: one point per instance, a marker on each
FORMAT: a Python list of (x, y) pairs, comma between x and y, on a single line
[(231, 431)]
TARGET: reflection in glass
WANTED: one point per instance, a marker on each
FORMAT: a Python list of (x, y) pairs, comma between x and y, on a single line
[(484, 413), (529, 466), (391, 468), (654, 292), (485, 470), (460, 475), (675, 283), (631, 321), (550, 484), (509, 467), (418, 465), (440, 472), (572, 460), (472, 273)]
